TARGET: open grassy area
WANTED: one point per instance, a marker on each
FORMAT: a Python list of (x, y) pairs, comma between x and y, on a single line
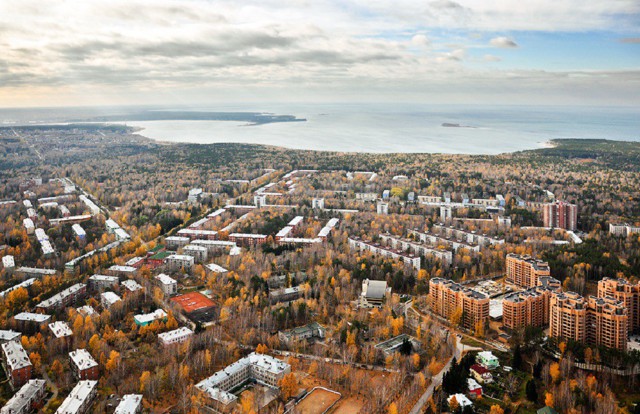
[(317, 402)]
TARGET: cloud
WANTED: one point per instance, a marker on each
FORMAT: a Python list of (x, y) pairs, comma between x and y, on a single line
[(630, 40), (491, 58), (502, 42), (420, 40)]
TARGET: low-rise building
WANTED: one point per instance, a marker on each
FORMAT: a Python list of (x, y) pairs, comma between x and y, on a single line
[(260, 368), (311, 330), (176, 336), (100, 282), (118, 270), (16, 363), (285, 294), (355, 243), (179, 261), (8, 262), (199, 253), (487, 360), (168, 285), (80, 399), (148, 318), (83, 366), (28, 399), (64, 298), (61, 331), (79, 231), (176, 242), (108, 299), (481, 374), (374, 293), (9, 335), (129, 404), (247, 239), (131, 285)]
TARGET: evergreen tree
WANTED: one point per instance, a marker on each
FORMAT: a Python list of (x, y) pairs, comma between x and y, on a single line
[(532, 391)]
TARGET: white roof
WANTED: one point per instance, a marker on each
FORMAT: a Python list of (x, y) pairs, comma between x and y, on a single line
[(296, 220), (60, 329), (22, 400), (235, 251), (36, 270), (76, 399), (194, 247), (222, 243), (177, 238), (216, 268), (487, 355), (131, 285), (86, 310), (46, 246), (24, 284), (110, 298), (32, 317), (198, 232), (216, 213), (166, 279), (78, 230), (7, 261), (112, 224), (28, 223), (104, 278), (82, 359), (15, 355), (133, 261), (472, 384), (248, 235), (9, 335), (129, 404), (284, 231), (462, 400), (150, 317), (126, 269), (181, 257), (59, 297), (176, 333)]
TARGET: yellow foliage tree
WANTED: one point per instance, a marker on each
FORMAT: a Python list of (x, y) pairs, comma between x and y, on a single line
[(289, 386)]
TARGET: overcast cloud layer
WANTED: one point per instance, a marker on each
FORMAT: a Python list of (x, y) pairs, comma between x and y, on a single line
[(443, 51)]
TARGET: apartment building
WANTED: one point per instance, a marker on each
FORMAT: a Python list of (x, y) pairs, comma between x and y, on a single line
[(62, 332), (9, 335), (530, 307), (179, 261), (28, 399), (168, 284), (194, 234), (100, 282), (199, 253), (129, 404), (560, 215), (108, 299), (176, 242), (263, 369), (83, 366), (355, 243), (176, 336), (437, 239), (446, 296), (625, 292), (247, 239), (64, 298), (524, 271), (623, 229), (470, 237), (148, 318), (16, 363), (80, 399), (593, 321)]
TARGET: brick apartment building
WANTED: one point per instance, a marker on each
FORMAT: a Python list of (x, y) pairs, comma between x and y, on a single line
[(446, 296), (524, 271)]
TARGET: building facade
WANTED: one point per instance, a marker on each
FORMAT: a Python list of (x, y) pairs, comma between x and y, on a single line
[(446, 297), (525, 271), (560, 215)]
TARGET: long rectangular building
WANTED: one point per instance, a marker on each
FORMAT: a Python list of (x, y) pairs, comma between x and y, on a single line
[(355, 243), (444, 256), (529, 307)]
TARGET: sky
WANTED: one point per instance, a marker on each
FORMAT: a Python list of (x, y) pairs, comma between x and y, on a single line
[(195, 52)]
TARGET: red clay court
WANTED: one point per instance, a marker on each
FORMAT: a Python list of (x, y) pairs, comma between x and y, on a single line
[(193, 301)]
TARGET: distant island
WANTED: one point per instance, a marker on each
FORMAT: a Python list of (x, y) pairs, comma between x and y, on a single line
[(451, 125), (252, 118)]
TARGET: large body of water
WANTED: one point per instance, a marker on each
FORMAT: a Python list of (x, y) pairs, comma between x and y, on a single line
[(400, 128)]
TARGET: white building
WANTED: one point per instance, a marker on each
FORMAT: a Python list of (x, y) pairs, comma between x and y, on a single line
[(8, 262), (194, 195), (147, 318), (445, 213), (175, 242), (382, 208), (108, 299), (29, 395), (179, 261), (29, 225), (81, 362), (623, 229), (317, 203), (373, 293), (199, 253), (216, 268), (366, 196), (263, 369), (461, 399), (93, 208), (356, 243), (25, 284), (9, 335), (60, 329), (131, 285), (99, 282), (80, 399), (168, 285), (79, 231), (130, 404), (176, 336)]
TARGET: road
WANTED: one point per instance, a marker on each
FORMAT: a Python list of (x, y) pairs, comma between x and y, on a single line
[(437, 380)]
